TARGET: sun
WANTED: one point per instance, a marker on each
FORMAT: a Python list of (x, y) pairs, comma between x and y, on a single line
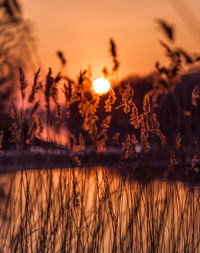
[(101, 85)]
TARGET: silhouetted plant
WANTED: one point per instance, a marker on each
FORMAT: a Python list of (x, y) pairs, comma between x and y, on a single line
[(87, 210), (15, 40)]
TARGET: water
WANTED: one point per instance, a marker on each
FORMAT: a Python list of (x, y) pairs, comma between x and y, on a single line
[(96, 210)]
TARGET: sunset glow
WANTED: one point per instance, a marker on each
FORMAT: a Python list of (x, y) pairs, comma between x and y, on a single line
[(101, 85), (100, 126), (86, 43)]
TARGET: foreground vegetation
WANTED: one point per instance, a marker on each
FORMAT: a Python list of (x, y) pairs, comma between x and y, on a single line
[(96, 210)]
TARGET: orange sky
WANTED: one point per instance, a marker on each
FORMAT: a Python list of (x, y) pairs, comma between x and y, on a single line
[(82, 29)]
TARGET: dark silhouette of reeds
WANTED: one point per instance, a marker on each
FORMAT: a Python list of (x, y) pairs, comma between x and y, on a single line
[(61, 210), (99, 209)]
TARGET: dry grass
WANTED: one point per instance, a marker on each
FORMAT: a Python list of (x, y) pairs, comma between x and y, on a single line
[(97, 210)]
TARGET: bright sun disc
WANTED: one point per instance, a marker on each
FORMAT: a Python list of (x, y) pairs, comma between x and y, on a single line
[(101, 85)]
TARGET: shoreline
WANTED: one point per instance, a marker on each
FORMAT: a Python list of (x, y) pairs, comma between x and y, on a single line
[(142, 168)]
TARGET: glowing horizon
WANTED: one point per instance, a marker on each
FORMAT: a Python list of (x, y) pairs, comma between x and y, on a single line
[(82, 31)]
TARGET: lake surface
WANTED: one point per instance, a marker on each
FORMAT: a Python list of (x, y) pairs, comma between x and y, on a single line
[(96, 210)]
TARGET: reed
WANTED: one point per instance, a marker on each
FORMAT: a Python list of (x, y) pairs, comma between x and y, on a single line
[(78, 209)]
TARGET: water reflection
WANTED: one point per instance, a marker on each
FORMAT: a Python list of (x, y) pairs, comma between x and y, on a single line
[(96, 211)]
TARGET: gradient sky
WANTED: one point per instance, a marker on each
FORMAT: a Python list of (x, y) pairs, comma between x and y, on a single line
[(82, 29)]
